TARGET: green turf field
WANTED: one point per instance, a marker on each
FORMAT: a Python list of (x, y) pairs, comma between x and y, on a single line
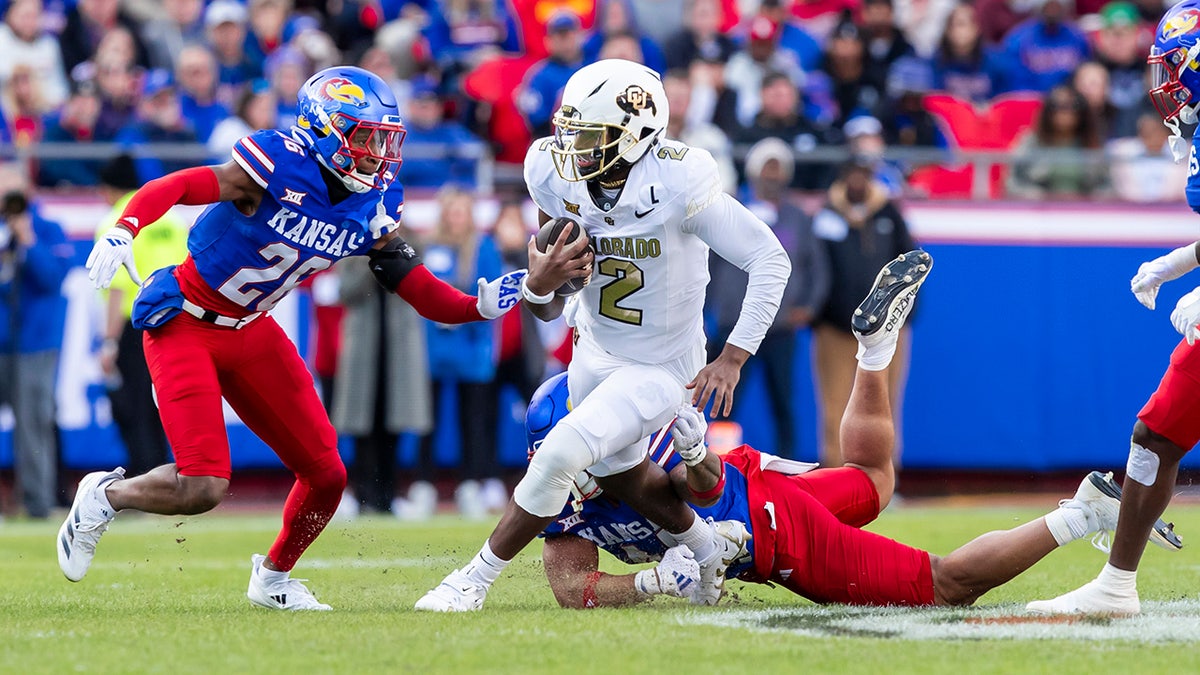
[(168, 595)]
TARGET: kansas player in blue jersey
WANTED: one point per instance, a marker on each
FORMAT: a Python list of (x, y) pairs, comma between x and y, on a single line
[(1168, 426), (804, 522), (287, 205)]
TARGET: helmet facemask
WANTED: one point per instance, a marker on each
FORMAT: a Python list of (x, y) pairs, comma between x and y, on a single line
[(1172, 99), (1168, 94), (587, 150), (370, 151)]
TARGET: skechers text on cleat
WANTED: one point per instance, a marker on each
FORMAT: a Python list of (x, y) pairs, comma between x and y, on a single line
[(456, 593), (86, 522), (285, 593), (891, 298)]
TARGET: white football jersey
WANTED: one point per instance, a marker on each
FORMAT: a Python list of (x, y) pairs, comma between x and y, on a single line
[(646, 295)]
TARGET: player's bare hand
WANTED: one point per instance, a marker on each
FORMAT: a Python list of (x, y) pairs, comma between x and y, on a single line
[(717, 380), (560, 263)]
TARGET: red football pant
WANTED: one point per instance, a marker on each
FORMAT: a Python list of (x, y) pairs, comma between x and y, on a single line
[(825, 557), (1174, 409), (258, 371)]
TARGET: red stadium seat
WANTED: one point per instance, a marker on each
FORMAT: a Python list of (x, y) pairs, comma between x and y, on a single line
[(496, 82), (997, 127)]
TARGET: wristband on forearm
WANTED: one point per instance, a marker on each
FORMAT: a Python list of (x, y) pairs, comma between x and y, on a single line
[(533, 298), (589, 590), (712, 493), (646, 583)]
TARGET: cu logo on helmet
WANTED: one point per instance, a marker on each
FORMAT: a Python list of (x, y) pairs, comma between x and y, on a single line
[(1180, 24), (635, 99), (342, 90)]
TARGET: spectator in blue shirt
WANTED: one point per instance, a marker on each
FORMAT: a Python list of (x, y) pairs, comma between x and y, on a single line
[(545, 81), (963, 66), (616, 17), (160, 121), (463, 357), (34, 258), (74, 123), (196, 73), (437, 151), (225, 23), (1045, 50), (461, 33), (287, 69)]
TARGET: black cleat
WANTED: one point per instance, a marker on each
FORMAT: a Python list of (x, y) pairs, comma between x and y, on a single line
[(891, 298)]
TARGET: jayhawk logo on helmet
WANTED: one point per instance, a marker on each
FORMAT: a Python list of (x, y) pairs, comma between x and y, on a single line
[(1180, 24), (345, 91)]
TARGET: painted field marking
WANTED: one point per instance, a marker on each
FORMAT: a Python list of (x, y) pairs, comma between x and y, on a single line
[(1175, 621)]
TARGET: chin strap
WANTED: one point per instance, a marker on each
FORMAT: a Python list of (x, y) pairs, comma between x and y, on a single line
[(1176, 142), (352, 180)]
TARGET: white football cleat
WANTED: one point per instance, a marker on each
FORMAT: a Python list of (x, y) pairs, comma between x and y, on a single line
[(286, 593), (1092, 599), (732, 540), (86, 522), (456, 593), (1101, 496)]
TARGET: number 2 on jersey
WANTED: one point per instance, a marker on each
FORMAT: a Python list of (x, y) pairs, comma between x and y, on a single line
[(628, 280), (283, 259)]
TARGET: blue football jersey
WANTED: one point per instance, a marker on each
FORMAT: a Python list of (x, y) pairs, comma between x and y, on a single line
[(623, 532), (1193, 180), (254, 260)]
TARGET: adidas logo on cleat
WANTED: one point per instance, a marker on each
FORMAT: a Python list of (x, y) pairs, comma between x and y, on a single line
[(281, 599)]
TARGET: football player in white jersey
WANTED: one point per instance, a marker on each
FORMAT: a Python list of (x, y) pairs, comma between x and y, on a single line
[(652, 208)]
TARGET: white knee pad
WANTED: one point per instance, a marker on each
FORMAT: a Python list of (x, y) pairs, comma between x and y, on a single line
[(1142, 465), (547, 483)]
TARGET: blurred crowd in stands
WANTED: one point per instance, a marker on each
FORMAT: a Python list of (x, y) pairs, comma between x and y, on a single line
[(854, 103), (1030, 90)]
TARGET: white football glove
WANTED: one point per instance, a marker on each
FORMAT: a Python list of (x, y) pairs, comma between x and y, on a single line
[(499, 295), (1187, 315), (688, 435), (678, 574), (113, 249), (1165, 268)]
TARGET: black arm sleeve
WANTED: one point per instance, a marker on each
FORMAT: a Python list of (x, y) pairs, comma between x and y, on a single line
[(392, 263)]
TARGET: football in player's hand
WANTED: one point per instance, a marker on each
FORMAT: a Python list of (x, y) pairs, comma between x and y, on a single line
[(548, 234)]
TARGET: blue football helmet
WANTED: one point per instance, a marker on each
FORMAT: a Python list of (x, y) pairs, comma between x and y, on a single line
[(356, 123), (1175, 70), (550, 403)]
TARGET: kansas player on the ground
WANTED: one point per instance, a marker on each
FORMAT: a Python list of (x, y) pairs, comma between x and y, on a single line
[(1168, 426), (804, 524), (651, 209), (289, 204)]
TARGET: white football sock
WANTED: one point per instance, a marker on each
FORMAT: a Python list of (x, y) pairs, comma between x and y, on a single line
[(698, 537), (1115, 579), (878, 356), (485, 567), (1067, 523), (270, 576)]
